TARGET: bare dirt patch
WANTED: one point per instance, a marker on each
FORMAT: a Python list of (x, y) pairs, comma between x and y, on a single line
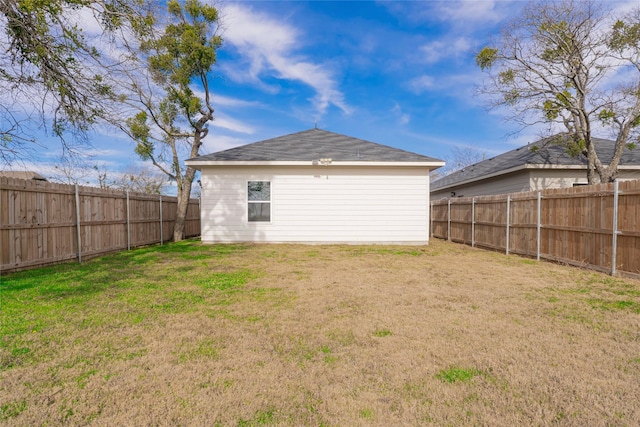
[(324, 335)]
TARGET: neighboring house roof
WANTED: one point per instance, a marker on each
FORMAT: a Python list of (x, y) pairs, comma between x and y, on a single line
[(539, 155), (22, 175), (314, 145)]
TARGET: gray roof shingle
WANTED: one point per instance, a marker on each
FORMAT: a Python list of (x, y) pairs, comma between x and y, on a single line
[(315, 144), (545, 153)]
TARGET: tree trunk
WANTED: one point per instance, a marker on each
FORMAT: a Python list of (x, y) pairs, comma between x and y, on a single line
[(184, 195)]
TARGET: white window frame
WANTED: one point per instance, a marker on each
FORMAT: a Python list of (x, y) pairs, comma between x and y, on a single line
[(269, 202)]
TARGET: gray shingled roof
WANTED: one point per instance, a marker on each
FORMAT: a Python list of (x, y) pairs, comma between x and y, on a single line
[(546, 153), (315, 144)]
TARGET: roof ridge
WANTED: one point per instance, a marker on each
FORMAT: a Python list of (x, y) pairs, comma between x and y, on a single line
[(312, 144)]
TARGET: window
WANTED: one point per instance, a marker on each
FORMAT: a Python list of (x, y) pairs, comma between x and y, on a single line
[(259, 201)]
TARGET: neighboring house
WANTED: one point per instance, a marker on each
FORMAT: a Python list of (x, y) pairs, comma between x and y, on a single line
[(530, 168), (22, 175), (315, 187)]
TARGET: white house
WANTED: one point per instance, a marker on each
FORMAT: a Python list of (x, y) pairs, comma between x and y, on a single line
[(534, 167), (315, 187)]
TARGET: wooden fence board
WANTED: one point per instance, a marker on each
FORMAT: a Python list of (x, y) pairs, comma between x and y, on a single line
[(38, 224), (576, 224)]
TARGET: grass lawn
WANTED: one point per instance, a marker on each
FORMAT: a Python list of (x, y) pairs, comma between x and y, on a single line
[(253, 335)]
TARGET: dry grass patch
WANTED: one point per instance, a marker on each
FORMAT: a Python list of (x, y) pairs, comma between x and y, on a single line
[(253, 335)]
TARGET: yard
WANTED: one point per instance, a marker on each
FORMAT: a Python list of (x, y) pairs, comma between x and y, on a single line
[(252, 335)]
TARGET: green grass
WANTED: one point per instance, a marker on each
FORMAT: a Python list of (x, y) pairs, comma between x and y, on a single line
[(260, 418), (118, 290), (455, 374), (12, 409), (615, 305), (258, 335), (366, 250), (366, 414), (204, 349)]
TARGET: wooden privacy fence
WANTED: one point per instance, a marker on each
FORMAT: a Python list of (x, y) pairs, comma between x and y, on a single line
[(44, 223), (596, 226)]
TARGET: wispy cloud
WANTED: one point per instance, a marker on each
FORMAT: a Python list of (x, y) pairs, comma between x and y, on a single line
[(228, 101), (464, 16), (421, 84), (470, 11), (402, 117), (215, 143), (225, 122), (269, 48), (438, 50)]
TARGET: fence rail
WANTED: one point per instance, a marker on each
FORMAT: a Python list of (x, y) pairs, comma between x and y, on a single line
[(596, 226), (45, 223)]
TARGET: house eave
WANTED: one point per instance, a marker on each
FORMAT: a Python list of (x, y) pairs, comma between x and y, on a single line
[(198, 164), (520, 168)]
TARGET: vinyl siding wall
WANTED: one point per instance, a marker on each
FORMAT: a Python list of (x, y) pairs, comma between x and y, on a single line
[(525, 180), (511, 183), (629, 174), (320, 204), (557, 178)]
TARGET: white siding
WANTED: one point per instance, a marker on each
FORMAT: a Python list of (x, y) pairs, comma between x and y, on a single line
[(322, 204), (512, 183), (557, 178), (626, 175), (525, 180)]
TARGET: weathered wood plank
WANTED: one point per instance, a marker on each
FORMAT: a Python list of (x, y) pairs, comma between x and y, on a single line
[(38, 222), (576, 224)]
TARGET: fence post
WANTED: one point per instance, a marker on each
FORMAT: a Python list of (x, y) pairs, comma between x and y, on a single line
[(128, 225), (161, 229), (508, 219), (430, 218), (473, 222), (449, 219), (538, 227), (614, 248), (78, 225)]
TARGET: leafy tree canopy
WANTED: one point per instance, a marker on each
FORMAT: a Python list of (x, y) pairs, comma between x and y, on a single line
[(172, 98), (566, 64), (52, 66)]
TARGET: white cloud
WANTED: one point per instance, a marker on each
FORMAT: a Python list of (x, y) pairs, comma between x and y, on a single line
[(224, 122), (403, 118), (269, 45), (214, 143), (228, 101), (444, 49), (462, 16), (421, 84), (469, 11)]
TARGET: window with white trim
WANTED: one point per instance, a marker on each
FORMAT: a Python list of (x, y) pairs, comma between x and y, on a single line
[(259, 201)]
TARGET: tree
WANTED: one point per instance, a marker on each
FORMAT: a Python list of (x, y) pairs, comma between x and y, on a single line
[(172, 126), (81, 171), (555, 64), (50, 64), (460, 158), (141, 180), (78, 171)]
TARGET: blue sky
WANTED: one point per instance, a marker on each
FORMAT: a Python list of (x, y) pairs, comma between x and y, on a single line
[(398, 73)]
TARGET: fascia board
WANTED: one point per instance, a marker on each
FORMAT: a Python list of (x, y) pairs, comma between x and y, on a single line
[(506, 172), (523, 167), (204, 163)]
